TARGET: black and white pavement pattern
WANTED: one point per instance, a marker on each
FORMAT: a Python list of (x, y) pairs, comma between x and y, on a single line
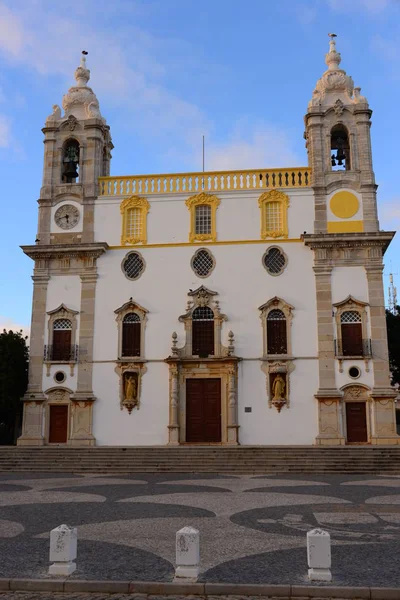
[(252, 529)]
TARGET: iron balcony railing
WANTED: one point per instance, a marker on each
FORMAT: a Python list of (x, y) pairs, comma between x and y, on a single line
[(67, 354), (357, 348)]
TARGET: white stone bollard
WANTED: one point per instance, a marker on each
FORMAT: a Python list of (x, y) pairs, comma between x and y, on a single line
[(319, 555), (187, 553), (63, 549)]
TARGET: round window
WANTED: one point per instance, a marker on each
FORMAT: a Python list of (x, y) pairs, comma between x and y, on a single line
[(133, 265), (274, 260), (203, 263), (354, 372), (60, 377)]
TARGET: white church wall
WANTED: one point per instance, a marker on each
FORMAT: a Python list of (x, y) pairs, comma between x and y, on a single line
[(297, 424), (238, 217), (62, 289), (163, 287), (349, 281), (145, 426)]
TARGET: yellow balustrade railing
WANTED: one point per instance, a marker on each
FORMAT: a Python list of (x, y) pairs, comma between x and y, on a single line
[(216, 181)]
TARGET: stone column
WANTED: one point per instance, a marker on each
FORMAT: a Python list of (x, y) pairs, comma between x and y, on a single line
[(173, 427), (327, 395), (383, 395), (232, 425), (81, 426), (32, 427)]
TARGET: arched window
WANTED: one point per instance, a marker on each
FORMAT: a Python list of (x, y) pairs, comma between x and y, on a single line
[(351, 330), (203, 331), (70, 162), (62, 339), (340, 147), (203, 219), (276, 332), (131, 330)]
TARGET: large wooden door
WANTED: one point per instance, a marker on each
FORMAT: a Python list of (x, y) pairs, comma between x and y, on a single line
[(356, 420), (58, 424), (203, 410)]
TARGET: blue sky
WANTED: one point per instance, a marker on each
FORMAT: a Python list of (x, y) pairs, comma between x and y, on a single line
[(166, 72)]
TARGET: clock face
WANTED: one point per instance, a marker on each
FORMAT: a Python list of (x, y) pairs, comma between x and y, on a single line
[(67, 216)]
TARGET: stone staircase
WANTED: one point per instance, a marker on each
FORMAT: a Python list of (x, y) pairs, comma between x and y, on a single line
[(253, 460)]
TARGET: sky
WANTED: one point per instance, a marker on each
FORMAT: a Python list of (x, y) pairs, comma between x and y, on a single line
[(167, 72)]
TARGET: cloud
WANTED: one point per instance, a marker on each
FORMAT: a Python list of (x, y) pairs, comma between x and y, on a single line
[(8, 324), (252, 146)]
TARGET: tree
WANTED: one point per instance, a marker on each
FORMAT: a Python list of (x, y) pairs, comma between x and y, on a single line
[(14, 357), (393, 333)]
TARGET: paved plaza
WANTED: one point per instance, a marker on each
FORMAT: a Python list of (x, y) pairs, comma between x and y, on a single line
[(252, 529)]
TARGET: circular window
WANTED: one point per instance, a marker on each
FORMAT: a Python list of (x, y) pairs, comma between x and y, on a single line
[(60, 377), (274, 260), (354, 372), (203, 263), (133, 265)]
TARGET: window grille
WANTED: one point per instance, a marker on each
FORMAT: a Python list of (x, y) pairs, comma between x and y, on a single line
[(60, 324), (203, 331), (134, 222), (203, 219), (133, 265), (131, 334), (202, 263), (350, 316), (274, 261), (276, 332), (273, 216)]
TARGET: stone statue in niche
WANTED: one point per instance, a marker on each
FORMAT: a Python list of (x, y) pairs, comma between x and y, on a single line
[(278, 390), (130, 390)]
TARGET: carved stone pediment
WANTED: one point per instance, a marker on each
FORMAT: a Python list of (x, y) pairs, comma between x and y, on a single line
[(130, 306), (202, 297), (62, 310), (350, 302)]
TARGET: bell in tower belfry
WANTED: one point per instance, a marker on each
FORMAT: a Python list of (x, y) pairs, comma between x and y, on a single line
[(337, 132)]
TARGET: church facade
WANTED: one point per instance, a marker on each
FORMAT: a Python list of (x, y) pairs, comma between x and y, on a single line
[(240, 307)]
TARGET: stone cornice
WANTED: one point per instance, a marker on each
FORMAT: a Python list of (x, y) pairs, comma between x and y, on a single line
[(51, 251), (366, 239)]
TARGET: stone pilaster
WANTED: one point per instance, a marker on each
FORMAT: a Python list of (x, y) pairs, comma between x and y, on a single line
[(232, 421), (383, 395), (173, 427), (378, 328), (83, 398), (32, 427)]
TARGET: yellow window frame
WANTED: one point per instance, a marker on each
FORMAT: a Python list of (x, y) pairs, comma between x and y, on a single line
[(283, 201), (197, 200), (126, 205)]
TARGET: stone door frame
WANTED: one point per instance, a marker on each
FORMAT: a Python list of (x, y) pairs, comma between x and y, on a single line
[(181, 370)]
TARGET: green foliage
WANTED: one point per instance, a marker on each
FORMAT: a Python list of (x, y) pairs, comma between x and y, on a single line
[(393, 332), (14, 358)]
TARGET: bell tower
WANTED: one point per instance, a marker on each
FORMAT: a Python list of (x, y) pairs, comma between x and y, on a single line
[(337, 132), (77, 151)]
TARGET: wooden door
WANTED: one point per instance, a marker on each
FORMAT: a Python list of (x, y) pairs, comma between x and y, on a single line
[(203, 410), (58, 424), (356, 420)]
